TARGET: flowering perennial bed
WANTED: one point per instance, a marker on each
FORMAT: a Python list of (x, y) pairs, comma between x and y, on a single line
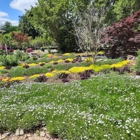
[(71, 70)]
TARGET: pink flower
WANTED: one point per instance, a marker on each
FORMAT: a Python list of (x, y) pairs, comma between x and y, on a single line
[(10, 50), (29, 50), (3, 47)]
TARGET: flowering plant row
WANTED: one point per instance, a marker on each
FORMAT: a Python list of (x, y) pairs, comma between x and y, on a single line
[(74, 70)]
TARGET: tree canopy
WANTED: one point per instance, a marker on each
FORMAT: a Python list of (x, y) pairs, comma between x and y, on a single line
[(123, 36), (7, 27)]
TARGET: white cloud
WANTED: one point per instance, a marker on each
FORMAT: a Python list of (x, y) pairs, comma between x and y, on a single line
[(4, 18), (3, 14), (21, 5)]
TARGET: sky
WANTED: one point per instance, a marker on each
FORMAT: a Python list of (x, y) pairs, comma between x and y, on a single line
[(10, 10)]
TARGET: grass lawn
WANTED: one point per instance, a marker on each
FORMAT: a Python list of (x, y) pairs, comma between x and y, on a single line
[(106, 107)]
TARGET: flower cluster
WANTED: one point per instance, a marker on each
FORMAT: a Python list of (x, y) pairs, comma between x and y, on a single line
[(79, 69), (34, 76), (49, 74), (17, 79), (2, 67), (66, 54)]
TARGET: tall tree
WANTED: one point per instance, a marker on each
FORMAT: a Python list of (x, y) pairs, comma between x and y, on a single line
[(27, 27), (7, 27), (55, 16), (125, 8), (123, 36), (89, 27)]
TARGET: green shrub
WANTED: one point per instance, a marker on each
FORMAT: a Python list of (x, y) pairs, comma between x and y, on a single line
[(25, 57), (3, 71), (35, 58), (108, 61), (17, 71), (32, 70), (30, 60), (9, 60), (137, 66), (83, 63), (48, 65), (19, 54), (66, 66), (43, 59)]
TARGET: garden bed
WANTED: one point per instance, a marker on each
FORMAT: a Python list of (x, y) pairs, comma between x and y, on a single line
[(105, 107)]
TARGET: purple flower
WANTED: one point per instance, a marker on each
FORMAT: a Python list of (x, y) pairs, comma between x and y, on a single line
[(11, 50), (3, 47)]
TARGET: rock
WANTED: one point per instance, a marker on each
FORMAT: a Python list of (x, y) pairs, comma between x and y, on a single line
[(5, 135), (42, 134), (44, 128), (131, 57), (19, 132)]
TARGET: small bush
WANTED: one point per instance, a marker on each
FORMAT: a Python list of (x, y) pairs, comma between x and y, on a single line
[(41, 78), (32, 70), (137, 66), (108, 61), (9, 60), (3, 71), (30, 60), (17, 71)]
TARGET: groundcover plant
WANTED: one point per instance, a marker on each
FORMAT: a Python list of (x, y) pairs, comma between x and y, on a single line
[(104, 107)]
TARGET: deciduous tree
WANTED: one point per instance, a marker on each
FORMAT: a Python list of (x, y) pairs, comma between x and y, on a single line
[(123, 36)]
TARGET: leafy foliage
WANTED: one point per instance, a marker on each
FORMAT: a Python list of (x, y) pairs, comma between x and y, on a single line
[(27, 27), (21, 39), (124, 36), (41, 78), (7, 27), (9, 60), (125, 8), (137, 66)]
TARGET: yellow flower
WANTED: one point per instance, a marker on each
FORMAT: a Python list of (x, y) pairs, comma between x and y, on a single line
[(6, 79), (17, 79), (60, 60), (95, 68), (120, 64), (49, 74), (63, 71), (49, 55), (54, 71), (69, 59), (66, 54), (32, 64), (41, 63), (125, 62), (34, 76), (52, 61), (117, 65), (89, 59), (100, 68), (2, 67), (100, 52), (22, 64), (92, 53), (79, 69)]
